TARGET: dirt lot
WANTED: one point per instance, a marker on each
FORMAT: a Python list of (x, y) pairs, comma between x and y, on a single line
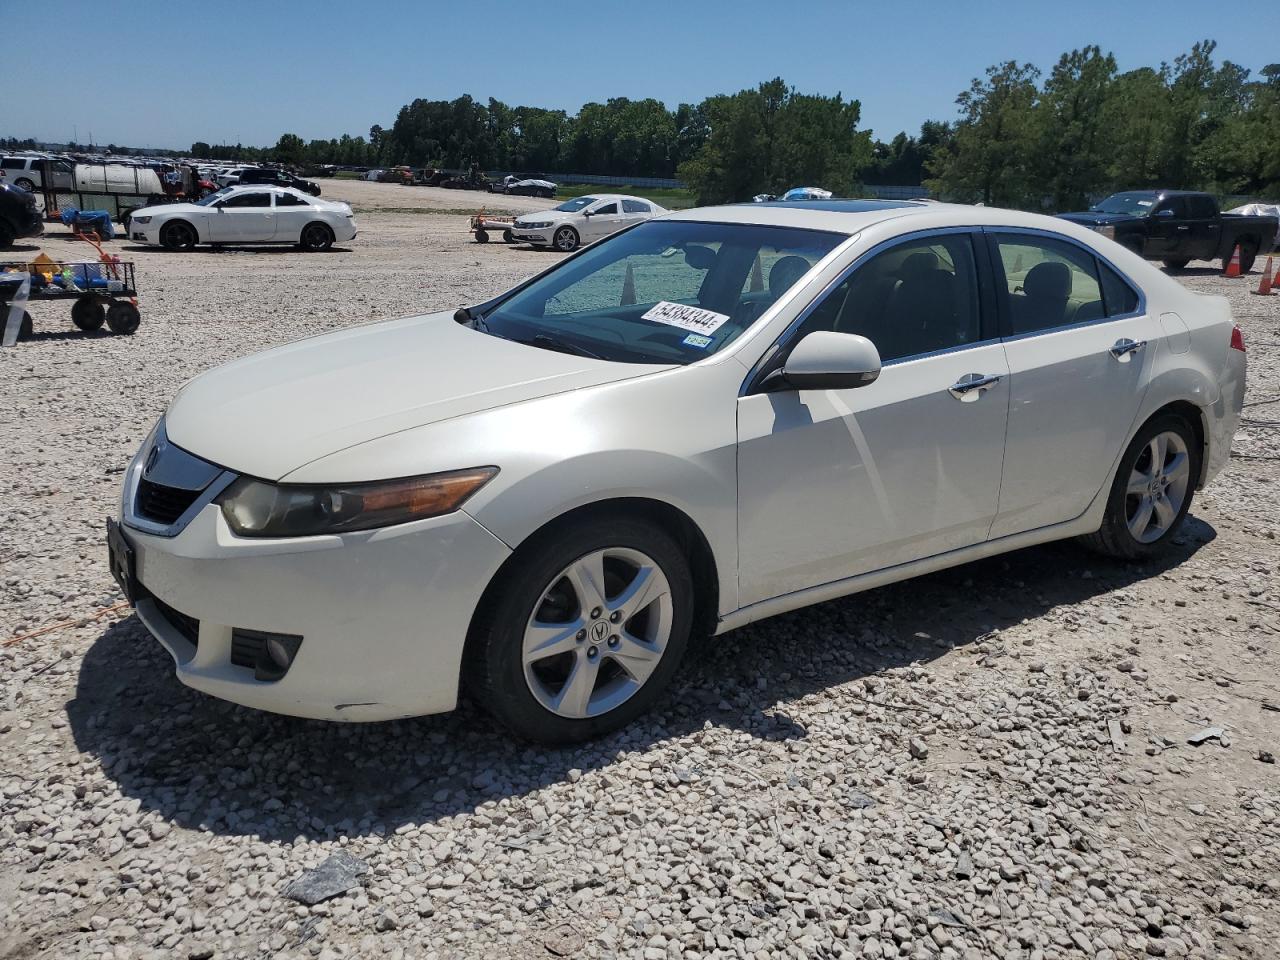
[(989, 762)]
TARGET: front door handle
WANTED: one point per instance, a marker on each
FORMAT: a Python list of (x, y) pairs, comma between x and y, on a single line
[(970, 387), (1125, 348)]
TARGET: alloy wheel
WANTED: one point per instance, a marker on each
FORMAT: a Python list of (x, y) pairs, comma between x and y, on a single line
[(597, 633), (566, 239), (1157, 488)]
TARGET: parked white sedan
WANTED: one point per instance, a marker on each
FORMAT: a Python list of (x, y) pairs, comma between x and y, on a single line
[(583, 220), (251, 214), (718, 416)]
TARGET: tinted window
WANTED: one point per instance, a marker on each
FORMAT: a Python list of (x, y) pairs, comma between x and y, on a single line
[(248, 200), (11, 163), (1047, 283), (289, 200), (1118, 297), (634, 206), (916, 297), (607, 208), (1177, 204), (1202, 208)]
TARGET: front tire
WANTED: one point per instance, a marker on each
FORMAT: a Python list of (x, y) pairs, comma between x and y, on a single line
[(316, 237), (123, 317), (1152, 490), (26, 184), (178, 235), (566, 240), (584, 631)]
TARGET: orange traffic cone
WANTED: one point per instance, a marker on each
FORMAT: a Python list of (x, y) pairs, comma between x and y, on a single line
[(1264, 282), (628, 289), (1233, 265)]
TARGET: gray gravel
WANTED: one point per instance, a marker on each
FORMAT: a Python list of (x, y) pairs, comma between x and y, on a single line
[(988, 762)]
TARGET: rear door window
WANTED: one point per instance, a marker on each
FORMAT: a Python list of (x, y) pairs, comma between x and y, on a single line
[(1047, 283), (634, 206)]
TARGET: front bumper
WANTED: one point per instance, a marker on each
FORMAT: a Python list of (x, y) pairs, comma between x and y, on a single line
[(532, 236), (383, 614)]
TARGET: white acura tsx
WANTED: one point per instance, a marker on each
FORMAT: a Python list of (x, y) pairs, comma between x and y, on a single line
[(712, 417)]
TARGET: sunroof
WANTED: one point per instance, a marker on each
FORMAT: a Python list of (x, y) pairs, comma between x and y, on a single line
[(838, 206)]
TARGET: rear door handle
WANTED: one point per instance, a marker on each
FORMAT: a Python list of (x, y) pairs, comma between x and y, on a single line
[(1125, 348), (970, 387)]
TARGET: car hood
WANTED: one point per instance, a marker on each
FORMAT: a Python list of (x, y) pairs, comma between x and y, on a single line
[(187, 208), (271, 413), (1092, 218)]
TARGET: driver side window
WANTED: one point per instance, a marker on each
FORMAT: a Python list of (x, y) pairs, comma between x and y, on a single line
[(916, 297)]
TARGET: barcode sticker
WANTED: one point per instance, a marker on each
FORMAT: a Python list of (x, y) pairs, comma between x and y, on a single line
[(688, 318)]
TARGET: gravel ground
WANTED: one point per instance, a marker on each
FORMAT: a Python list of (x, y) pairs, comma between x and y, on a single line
[(989, 762)]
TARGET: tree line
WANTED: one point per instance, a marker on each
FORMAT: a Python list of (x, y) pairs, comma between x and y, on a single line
[(1020, 139)]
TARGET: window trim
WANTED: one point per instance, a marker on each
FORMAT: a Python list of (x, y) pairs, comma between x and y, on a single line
[(1005, 328), (775, 355)]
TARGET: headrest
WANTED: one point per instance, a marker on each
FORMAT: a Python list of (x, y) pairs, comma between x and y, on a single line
[(919, 263), (786, 272), (1050, 280)]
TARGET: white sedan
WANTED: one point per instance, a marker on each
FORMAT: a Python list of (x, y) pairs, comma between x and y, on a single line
[(252, 214), (718, 416), (583, 220)]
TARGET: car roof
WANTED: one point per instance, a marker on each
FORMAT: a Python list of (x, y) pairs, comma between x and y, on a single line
[(853, 216)]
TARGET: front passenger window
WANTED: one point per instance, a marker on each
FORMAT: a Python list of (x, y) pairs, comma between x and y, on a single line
[(914, 298), (607, 208)]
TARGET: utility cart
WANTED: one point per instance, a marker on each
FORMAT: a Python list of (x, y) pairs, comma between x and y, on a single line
[(483, 224), (99, 292)]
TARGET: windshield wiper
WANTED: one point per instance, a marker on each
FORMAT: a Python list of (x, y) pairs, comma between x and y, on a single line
[(547, 342)]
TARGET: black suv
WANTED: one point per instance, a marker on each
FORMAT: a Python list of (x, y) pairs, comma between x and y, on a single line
[(19, 215), (279, 178)]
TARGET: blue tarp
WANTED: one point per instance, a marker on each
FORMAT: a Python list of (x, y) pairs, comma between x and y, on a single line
[(98, 220)]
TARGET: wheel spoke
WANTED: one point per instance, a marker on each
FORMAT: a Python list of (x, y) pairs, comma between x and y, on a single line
[(587, 579), (1177, 468), (1159, 447), (575, 696), (649, 585), (1142, 518), (1164, 511), (1138, 483), (543, 640), (636, 656)]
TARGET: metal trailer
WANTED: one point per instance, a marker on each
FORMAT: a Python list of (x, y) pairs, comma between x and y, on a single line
[(119, 200), (99, 291)]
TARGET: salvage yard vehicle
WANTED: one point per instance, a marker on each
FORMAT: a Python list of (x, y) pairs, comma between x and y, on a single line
[(279, 178), (20, 217), (246, 214), (583, 220), (1178, 226), (713, 417), (523, 188)]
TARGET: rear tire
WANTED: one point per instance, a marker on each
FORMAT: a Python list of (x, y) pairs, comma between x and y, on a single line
[(508, 236), (544, 624), (482, 236), (178, 235), (1176, 263), (26, 329), (316, 238), (1248, 254), (26, 183), (123, 317), (88, 314), (7, 235), (1135, 525)]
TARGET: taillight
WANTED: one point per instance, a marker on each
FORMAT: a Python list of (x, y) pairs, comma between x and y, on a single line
[(1237, 339)]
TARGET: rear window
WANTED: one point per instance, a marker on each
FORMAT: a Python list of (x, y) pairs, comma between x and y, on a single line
[(1117, 296)]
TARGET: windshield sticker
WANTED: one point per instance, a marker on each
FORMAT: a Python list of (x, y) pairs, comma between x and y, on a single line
[(688, 318), (1145, 203), (696, 340)]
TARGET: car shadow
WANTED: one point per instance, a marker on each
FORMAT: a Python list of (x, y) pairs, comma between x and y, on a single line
[(207, 764), (17, 248), (210, 249)]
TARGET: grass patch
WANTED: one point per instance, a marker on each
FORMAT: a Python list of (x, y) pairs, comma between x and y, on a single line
[(672, 199)]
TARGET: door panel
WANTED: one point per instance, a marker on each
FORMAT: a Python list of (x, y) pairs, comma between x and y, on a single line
[(837, 483), (243, 218), (602, 224), (1076, 380)]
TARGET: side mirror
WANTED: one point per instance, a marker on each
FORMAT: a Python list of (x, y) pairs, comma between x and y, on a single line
[(1166, 212), (588, 213), (825, 360)]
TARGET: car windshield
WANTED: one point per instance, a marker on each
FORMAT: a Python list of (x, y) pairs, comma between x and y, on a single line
[(663, 292), (576, 204), (213, 197), (1131, 204)]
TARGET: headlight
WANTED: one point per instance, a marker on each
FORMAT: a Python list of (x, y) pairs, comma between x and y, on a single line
[(140, 219), (253, 508), (1107, 231), (534, 226)]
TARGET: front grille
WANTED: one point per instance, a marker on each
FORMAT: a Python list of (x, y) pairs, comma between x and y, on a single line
[(187, 627), (163, 504)]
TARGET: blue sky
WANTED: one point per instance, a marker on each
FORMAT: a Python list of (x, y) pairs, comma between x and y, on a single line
[(246, 72)]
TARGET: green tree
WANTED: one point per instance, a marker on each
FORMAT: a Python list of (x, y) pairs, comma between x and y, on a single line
[(1070, 114)]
